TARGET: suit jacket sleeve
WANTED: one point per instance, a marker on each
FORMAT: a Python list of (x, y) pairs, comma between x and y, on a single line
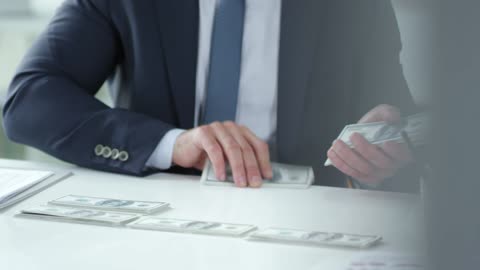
[(51, 103), (380, 74), (381, 78)]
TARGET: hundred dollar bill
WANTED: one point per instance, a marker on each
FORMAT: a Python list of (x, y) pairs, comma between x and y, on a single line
[(387, 261), (70, 214), (192, 226), (314, 238), (142, 207), (416, 127), (284, 176)]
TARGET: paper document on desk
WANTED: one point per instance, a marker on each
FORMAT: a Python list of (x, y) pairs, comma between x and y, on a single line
[(34, 185), (70, 214), (15, 181), (192, 226), (284, 176), (106, 204), (416, 127), (290, 236), (17, 185)]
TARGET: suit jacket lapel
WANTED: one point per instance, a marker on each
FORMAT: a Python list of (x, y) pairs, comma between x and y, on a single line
[(178, 22), (300, 28)]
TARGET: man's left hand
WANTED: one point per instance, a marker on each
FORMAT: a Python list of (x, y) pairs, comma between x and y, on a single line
[(371, 164)]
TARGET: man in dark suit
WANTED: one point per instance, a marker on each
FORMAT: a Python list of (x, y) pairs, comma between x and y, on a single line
[(223, 80)]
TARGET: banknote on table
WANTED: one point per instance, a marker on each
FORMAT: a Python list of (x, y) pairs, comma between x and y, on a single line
[(387, 261), (191, 226), (105, 204), (284, 176), (290, 236), (416, 126), (79, 215)]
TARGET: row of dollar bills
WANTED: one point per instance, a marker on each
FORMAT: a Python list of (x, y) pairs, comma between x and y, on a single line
[(139, 215)]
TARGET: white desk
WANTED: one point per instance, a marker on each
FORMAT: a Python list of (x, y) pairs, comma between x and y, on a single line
[(34, 244)]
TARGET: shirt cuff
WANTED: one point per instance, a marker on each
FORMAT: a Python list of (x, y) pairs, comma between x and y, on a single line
[(161, 157)]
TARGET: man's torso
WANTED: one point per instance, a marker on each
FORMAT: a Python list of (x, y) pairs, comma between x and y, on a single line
[(326, 67)]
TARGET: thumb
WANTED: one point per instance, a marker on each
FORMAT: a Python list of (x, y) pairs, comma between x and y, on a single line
[(381, 113)]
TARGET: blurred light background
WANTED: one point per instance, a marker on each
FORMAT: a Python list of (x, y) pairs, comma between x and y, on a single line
[(21, 21)]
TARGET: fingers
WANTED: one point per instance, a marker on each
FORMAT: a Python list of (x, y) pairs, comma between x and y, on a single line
[(372, 153), (343, 166), (261, 151), (247, 155), (352, 159), (380, 113), (254, 177), (399, 152), (209, 144), (233, 151), (365, 162)]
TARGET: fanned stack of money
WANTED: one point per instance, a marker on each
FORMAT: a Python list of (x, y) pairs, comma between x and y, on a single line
[(105, 204), (70, 214), (284, 176), (290, 236), (191, 226), (416, 127)]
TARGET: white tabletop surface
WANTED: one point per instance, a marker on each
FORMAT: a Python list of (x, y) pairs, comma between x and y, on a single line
[(35, 244)]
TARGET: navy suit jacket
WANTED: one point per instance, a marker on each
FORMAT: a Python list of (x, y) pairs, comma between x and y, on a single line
[(338, 59)]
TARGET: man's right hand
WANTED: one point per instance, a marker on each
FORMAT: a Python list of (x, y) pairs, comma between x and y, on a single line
[(247, 155)]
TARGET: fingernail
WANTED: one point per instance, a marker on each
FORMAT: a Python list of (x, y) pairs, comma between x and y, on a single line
[(242, 181), (256, 181)]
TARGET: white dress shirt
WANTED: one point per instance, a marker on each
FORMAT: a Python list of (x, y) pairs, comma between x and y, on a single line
[(257, 96)]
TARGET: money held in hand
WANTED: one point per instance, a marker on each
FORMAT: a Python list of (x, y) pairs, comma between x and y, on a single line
[(141, 207), (284, 176), (416, 127), (314, 238), (191, 226), (70, 214)]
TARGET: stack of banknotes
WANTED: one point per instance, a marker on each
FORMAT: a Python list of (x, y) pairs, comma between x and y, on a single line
[(192, 226), (290, 236), (139, 215), (140, 207), (415, 126), (76, 215), (386, 261), (284, 176), (101, 211)]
